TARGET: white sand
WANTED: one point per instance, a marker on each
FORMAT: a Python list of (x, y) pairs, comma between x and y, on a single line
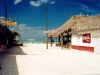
[(35, 59)]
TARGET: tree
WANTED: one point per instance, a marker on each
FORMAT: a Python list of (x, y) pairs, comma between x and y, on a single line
[(8, 37)]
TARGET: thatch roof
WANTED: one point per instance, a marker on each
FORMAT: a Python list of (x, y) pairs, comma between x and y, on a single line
[(79, 23), (53, 33)]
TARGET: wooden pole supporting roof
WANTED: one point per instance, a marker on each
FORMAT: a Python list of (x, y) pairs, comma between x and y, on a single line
[(61, 40)]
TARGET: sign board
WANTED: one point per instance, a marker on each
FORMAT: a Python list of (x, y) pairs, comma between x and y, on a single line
[(4, 22), (86, 38)]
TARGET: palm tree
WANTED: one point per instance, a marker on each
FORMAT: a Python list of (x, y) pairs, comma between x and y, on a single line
[(7, 37), (3, 37), (12, 37)]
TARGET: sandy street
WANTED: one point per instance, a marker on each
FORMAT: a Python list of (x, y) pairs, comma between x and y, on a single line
[(35, 59)]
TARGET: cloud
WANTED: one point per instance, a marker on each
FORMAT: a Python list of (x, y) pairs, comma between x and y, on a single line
[(38, 27), (1, 17), (27, 32), (52, 2), (21, 26), (44, 0), (17, 1), (97, 14), (85, 8), (38, 2)]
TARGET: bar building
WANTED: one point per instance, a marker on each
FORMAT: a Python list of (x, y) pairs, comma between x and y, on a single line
[(79, 32)]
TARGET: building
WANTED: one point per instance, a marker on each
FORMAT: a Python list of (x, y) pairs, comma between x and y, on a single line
[(84, 31)]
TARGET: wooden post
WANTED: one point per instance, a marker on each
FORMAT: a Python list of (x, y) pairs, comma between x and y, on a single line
[(6, 11), (46, 27), (56, 40), (51, 40), (6, 15), (61, 40)]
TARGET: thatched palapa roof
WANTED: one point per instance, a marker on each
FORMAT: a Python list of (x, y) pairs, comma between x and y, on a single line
[(79, 23), (53, 33)]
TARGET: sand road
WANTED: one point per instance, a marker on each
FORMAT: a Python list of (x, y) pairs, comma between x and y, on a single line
[(35, 59)]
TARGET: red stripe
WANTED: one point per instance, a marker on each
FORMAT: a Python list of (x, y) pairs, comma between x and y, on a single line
[(83, 48)]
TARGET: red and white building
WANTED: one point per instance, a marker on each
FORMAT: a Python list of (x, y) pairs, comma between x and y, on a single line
[(87, 41), (85, 32)]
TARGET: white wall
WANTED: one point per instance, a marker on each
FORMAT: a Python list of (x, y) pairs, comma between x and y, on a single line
[(78, 40), (96, 38)]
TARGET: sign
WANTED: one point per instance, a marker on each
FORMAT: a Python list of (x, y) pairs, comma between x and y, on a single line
[(86, 38), (12, 23), (4, 22)]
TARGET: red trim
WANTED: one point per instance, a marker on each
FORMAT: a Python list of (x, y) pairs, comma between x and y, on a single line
[(83, 48)]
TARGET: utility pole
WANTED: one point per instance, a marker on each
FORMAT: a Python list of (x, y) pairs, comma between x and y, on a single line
[(46, 27), (6, 15), (6, 11)]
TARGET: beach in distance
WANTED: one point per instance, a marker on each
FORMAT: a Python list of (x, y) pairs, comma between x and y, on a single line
[(32, 41)]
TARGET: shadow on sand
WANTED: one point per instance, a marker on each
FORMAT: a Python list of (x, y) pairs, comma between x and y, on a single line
[(8, 61)]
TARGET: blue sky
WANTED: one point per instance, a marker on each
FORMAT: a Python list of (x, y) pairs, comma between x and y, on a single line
[(31, 14)]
